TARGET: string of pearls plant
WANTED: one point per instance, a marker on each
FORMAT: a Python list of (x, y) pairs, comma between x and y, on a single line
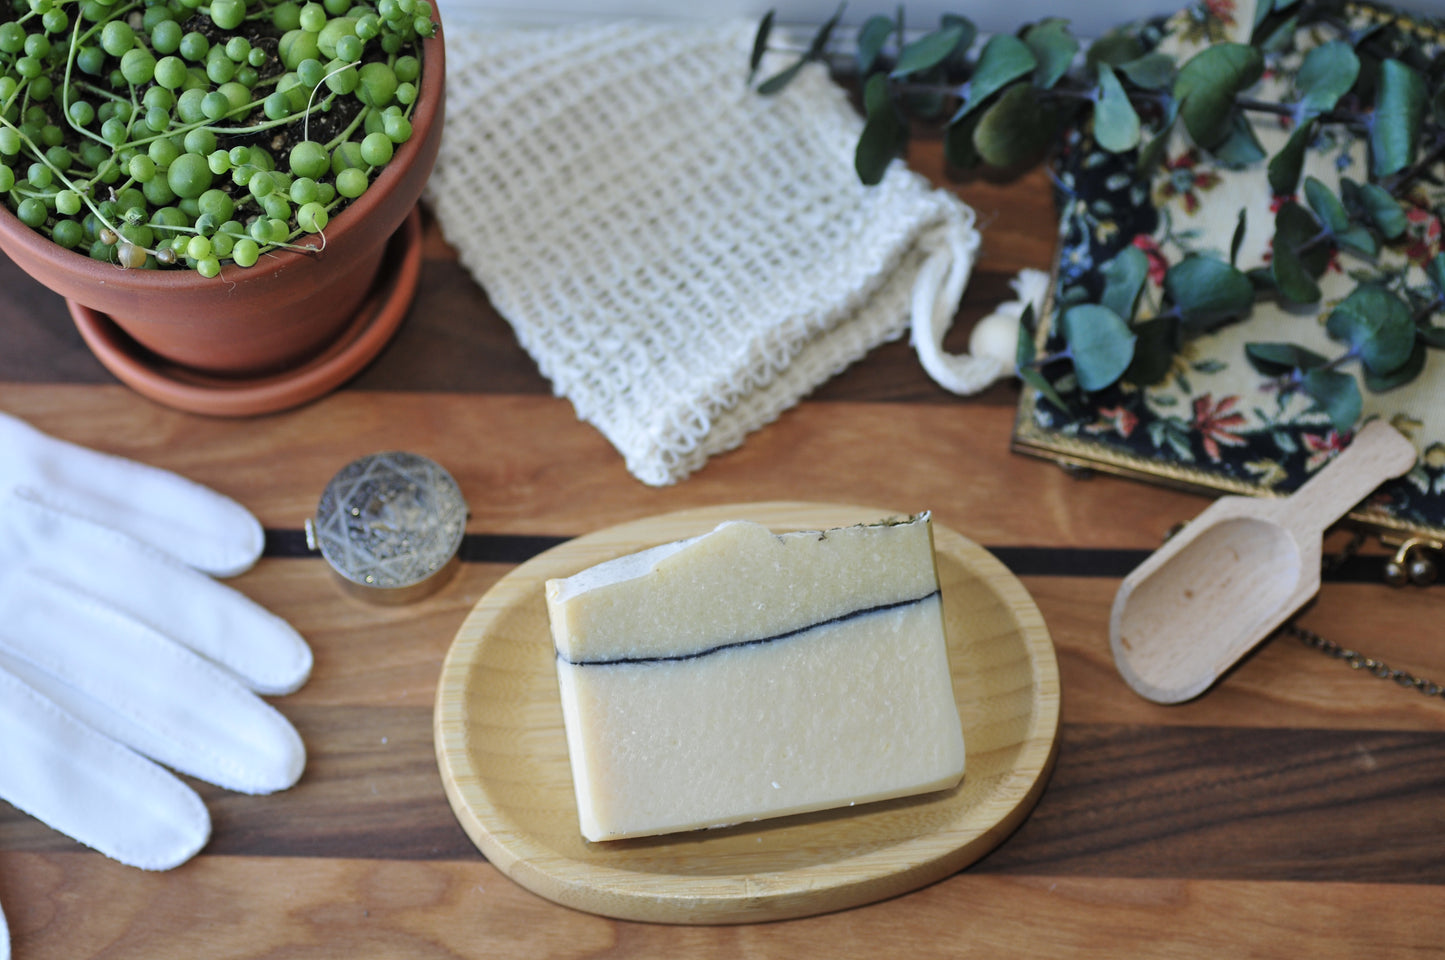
[(158, 133)]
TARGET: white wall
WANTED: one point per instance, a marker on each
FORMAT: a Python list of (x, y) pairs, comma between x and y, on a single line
[(1088, 18)]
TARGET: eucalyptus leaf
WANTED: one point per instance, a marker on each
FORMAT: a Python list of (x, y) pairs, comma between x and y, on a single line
[(1124, 277), (1240, 147), (1151, 153), (878, 97), (1292, 279), (1206, 291), (1350, 194), (1285, 166), (1293, 228), (821, 39), (780, 80), (1263, 280), (1337, 394), (1327, 73), (816, 50), (925, 104), (1100, 342), (1326, 206), (928, 51), (1026, 351), (1157, 344), (1279, 39), (958, 149), (1376, 325), (1016, 130), (1054, 47), (1401, 375), (1004, 59), (1153, 71), (1399, 112), (1116, 125), (1237, 240), (1383, 210), (970, 33), (1039, 382), (1114, 48), (872, 38), (1207, 85), (1262, 9), (1072, 295), (1360, 240), (760, 44), (884, 131), (1277, 359), (1431, 336), (1024, 362)]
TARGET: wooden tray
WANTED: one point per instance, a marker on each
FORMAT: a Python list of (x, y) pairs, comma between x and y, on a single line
[(503, 753)]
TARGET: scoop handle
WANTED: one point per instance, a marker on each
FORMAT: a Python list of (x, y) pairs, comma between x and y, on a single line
[(1377, 453)]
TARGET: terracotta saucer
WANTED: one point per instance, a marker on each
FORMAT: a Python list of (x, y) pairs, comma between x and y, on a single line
[(175, 386)]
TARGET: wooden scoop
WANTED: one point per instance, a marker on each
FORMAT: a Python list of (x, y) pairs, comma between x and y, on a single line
[(1224, 582)]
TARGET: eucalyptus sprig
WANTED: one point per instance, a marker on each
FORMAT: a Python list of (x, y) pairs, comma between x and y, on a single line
[(1010, 100), (172, 132)]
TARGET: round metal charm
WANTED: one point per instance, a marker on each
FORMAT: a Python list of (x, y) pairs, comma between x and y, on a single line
[(390, 524)]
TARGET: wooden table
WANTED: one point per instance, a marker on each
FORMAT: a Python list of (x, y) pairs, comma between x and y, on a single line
[(1297, 810)]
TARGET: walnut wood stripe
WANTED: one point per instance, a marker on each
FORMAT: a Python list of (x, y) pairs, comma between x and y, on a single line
[(475, 548), (1305, 805), (1023, 561), (1237, 803)]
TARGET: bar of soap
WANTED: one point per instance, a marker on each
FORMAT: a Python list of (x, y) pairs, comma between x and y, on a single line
[(742, 675)]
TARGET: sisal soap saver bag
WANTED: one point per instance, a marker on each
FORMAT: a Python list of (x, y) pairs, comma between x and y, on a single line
[(683, 258)]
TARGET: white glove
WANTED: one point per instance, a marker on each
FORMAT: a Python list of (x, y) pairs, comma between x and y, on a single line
[(114, 642)]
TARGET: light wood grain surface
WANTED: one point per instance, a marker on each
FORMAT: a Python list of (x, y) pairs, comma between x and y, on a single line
[(1296, 809)]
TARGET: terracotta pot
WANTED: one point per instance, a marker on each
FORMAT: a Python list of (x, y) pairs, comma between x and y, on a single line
[(280, 312)]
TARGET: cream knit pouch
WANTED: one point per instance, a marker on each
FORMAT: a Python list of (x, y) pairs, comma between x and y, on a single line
[(682, 257)]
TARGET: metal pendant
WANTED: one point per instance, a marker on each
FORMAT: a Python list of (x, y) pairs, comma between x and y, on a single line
[(390, 525)]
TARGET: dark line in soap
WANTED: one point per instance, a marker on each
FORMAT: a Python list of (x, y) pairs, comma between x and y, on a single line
[(737, 644)]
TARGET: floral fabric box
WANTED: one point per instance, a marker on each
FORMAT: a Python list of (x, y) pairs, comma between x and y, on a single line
[(1214, 421)]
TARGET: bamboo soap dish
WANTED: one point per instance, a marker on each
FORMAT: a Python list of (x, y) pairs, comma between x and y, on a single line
[(502, 752)]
